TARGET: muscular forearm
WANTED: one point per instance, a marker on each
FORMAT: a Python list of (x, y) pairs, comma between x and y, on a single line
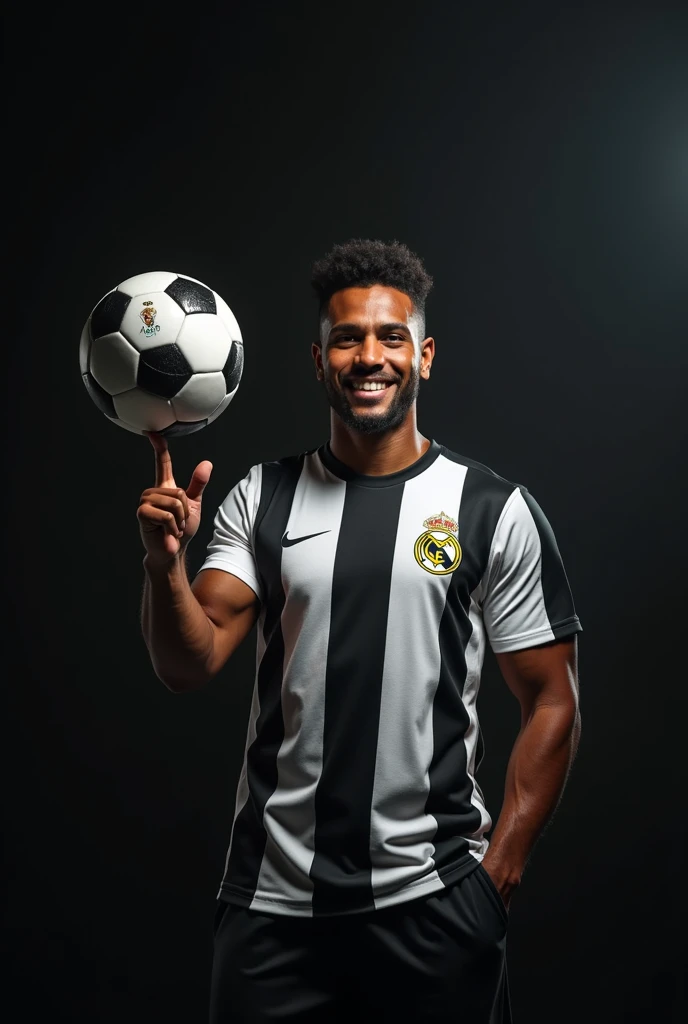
[(536, 775), (178, 633)]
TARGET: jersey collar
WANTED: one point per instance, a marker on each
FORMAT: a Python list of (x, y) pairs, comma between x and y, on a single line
[(344, 472)]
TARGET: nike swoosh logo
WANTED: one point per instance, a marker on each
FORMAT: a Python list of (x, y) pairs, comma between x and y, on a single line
[(288, 541)]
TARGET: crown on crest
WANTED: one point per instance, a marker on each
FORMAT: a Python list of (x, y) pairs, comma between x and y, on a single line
[(441, 522)]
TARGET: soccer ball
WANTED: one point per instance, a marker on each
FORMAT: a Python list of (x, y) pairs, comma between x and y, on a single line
[(161, 352)]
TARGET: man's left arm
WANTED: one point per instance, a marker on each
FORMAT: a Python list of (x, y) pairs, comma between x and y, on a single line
[(544, 679)]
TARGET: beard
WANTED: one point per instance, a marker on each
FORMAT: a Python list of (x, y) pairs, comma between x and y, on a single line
[(375, 422)]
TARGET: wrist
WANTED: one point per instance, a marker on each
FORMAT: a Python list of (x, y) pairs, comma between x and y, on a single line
[(156, 569), (506, 871)]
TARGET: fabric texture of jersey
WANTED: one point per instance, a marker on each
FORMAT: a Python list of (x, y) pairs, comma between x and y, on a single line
[(378, 596)]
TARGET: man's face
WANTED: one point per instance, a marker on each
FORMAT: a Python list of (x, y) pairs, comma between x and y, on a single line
[(371, 358)]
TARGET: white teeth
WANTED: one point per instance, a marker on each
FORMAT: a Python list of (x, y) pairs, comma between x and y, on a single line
[(371, 385)]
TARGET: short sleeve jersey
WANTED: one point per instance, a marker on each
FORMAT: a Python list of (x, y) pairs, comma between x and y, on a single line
[(378, 595)]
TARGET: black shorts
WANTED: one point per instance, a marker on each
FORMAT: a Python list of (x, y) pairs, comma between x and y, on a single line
[(430, 960)]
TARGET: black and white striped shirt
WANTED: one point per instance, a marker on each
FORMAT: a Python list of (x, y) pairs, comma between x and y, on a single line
[(378, 595)]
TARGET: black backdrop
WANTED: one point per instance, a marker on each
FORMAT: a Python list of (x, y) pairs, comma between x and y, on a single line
[(537, 158)]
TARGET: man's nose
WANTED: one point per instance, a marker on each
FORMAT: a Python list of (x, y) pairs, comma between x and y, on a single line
[(371, 352)]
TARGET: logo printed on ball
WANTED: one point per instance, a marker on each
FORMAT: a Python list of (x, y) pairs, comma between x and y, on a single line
[(148, 315), (437, 550)]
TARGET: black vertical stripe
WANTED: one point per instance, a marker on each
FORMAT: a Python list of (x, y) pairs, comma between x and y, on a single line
[(555, 585), (449, 800), (249, 838), (341, 868)]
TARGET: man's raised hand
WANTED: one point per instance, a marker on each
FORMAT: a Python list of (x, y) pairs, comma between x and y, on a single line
[(168, 515)]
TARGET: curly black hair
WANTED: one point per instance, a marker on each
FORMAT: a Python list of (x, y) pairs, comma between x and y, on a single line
[(362, 262)]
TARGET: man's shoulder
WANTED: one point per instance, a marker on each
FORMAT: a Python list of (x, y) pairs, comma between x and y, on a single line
[(483, 476), (286, 464)]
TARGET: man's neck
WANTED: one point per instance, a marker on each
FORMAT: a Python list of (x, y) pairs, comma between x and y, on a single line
[(377, 454)]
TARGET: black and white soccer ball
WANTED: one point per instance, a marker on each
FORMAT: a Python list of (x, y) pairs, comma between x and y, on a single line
[(161, 352)]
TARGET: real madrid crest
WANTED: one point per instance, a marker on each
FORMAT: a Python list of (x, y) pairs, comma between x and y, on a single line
[(438, 550)]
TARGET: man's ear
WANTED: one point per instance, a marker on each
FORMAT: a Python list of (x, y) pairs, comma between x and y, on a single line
[(427, 354), (316, 350)]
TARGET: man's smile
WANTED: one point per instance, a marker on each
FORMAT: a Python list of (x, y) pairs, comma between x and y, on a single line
[(369, 389)]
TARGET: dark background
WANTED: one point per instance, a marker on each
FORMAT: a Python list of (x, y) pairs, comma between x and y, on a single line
[(536, 156)]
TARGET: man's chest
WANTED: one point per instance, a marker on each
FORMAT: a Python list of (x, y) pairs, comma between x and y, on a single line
[(367, 541)]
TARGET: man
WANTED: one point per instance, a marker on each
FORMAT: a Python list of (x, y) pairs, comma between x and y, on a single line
[(378, 566)]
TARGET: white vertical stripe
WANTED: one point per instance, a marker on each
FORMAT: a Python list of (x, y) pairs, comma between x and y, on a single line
[(402, 833), (242, 785), (307, 571), (475, 654)]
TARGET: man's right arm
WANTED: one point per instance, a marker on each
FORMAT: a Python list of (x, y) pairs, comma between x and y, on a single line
[(191, 630)]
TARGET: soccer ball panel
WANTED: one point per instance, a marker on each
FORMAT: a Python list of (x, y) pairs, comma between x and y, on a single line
[(114, 363), (100, 397), (200, 396), (227, 317), (84, 347), (186, 277), (106, 317), (151, 320), (178, 429), (163, 371), (143, 411), (234, 367), (157, 281), (205, 342), (127, 426), (223, 405), (192, 296)]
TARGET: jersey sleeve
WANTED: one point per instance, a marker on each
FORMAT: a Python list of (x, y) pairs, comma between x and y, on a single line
[(527, 599), (231, 547)]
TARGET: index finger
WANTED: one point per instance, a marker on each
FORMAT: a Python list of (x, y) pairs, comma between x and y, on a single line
[(164, 477)]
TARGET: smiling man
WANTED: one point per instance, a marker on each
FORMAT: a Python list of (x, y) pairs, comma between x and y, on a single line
[(373, 358), (378, 567)]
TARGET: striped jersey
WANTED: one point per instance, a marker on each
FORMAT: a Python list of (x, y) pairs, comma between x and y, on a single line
[(378, 595)]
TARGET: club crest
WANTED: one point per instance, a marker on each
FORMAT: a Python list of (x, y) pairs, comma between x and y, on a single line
[(148, 315), (437, 550)]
